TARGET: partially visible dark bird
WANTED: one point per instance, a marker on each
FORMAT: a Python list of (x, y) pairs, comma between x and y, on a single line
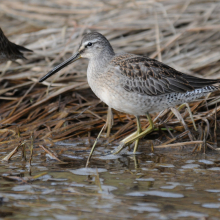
[(9, 50)]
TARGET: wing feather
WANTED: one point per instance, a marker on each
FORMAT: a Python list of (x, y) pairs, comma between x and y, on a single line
[(148, 76)]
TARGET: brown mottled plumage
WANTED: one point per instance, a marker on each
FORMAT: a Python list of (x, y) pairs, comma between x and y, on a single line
[(9, 50)]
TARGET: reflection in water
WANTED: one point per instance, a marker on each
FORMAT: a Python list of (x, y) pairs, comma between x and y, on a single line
[(167, 184)]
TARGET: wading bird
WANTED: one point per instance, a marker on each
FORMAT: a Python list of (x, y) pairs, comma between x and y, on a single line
[(133, 84)]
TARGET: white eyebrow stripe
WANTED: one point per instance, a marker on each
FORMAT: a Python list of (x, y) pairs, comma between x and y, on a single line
[(90, 41)]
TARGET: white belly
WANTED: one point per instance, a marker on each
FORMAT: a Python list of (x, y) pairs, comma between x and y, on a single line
[(118, 99)]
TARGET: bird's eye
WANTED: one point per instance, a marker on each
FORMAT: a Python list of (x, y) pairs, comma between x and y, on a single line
[(89, 44)]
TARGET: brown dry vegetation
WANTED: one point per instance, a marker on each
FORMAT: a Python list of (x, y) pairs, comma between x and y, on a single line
[(183, 34)]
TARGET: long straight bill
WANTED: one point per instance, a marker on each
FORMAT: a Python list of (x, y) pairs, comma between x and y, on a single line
[(61, 66)]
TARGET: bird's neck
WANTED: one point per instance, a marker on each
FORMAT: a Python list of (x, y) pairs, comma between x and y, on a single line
[(99, 63)]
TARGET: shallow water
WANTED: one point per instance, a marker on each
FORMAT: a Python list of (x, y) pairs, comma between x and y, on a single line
[(166, 184)]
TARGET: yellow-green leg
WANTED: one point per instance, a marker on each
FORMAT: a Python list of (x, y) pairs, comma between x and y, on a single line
[(122, 143), (134, 136), (145, 132), (139, 130)]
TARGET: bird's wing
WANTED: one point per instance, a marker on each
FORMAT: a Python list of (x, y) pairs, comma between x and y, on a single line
[(148, 76)]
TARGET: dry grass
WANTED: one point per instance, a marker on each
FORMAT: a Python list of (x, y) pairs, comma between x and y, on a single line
[(183, 34)]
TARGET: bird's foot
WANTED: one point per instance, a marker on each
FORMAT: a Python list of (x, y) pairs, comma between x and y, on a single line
[(119, 148), (123, 144), (133, 138)]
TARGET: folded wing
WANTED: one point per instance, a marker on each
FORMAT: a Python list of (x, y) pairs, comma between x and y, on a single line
[(148, 76)]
